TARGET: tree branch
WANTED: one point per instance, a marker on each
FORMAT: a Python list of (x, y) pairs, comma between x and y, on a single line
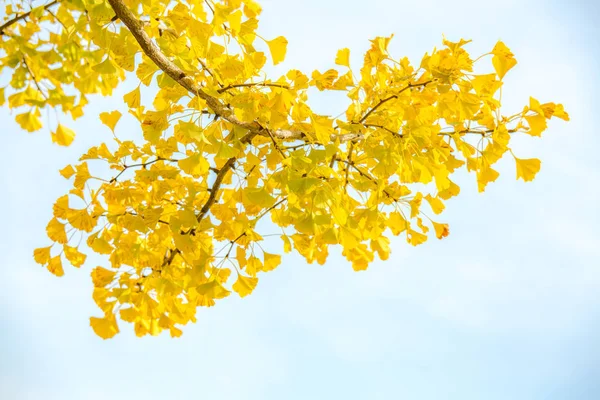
[(37, 84), (20, 17), (365, 175), (154, 53), (252, 84), (126, 167), (395, 96)]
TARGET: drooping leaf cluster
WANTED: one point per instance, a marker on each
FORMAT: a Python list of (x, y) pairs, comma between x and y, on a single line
[(225, 148)]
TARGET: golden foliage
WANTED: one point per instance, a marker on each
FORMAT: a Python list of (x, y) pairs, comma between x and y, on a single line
[(225, 148)]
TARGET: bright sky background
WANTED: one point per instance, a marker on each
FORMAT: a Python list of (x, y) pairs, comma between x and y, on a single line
[(506, 307)]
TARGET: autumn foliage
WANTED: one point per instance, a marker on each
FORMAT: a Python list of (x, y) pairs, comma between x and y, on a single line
[(183, 218)]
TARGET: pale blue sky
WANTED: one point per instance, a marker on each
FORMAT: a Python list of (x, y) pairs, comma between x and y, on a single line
[(506, 307)]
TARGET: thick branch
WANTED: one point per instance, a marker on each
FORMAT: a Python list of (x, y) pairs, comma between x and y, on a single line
[(20, 17), (154, 53)]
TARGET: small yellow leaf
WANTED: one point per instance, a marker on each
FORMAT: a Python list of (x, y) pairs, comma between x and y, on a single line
[(133, 98), (251, 9), (81, 220), (278, 48), (436, 204), (212, 290), (415, 238), (67, 171), (537, 124), (441, 230), (527, 168), (42, 255), (382, 246), (287, 243), (195, 165), (63, 136), (503, 59), (343, 57), (105, 327), (110, 119), (106, 67), (102, 276), (30, 121), (323, 128), (55, 266), (99, 245), (244, 285), (75, 257), (271, 261), (61, 207), (56, 231), (486, 175)]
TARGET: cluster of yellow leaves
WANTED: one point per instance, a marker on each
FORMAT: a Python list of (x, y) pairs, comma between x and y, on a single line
[(179, 219)]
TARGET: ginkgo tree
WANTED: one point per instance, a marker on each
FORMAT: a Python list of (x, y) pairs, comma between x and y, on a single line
[(178, 214)]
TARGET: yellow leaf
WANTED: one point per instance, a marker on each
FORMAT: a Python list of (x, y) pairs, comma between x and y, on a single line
[(63, 136), (133, 98), (537, 124), (415, 204), (436, 204), (259, 196), (99, 245), (415, 238), (61, 207), (251, 9), (106, 67), (527, 168), (110, 119), (195, 165), (30, 121), (396, 223), (382, 246), (271, 261), (56, 231), (486, 175), (81, 220), (452, 190), (82, 175), (278, 48), (102, 276), (75, 257), (244, 285), (287, 243), (67, 171), (42, 255), (503, 59), (323, 128), (174, 331), (235, 21), (441, 230), (212, 290), (343, 57), (55, 266), (105, 327)]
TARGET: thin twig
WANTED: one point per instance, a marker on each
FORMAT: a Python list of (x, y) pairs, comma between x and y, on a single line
[(37, 85), (251, 85), (126, 167), (22, 16), (395, 96)]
